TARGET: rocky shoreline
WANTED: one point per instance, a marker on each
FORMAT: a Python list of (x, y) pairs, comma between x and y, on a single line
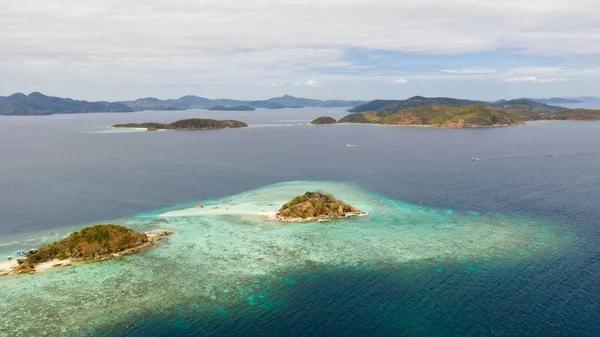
[(17, 266), (315, 206)]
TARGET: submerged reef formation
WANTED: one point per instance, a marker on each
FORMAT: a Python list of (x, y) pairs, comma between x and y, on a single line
[(223, 258), (91, 243), (312, 206), (323, 121), (186, 124)]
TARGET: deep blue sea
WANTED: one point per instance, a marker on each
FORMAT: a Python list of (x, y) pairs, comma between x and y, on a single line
[(71, 170)]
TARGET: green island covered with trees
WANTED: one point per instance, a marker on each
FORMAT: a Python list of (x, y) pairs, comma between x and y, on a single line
[(91, 243), (323, 120), (313, 206), (391, 106), (187, 124), (504, 113)]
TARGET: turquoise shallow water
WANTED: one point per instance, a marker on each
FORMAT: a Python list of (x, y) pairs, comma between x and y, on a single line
[(215, 263)]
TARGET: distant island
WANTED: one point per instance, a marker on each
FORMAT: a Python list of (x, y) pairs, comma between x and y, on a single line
[(574, 115), (155, 104), (186, 124), (323, 120), (457, 113), (197, 102), (522, 104), (37, 104), (231, 108), (313, 206), (587, 99), (93, 243), (413, 102), (557, 100)]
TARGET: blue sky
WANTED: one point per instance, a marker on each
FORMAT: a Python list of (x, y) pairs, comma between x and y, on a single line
[(329, 49)]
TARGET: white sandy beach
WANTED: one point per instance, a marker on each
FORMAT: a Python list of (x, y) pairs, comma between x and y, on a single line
[(7, 267), (220, 210)]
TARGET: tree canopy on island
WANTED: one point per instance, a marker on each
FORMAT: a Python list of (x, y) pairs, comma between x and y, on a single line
[(187, 124), (315, 205), (476, 115), (323, 120), (90, 243)]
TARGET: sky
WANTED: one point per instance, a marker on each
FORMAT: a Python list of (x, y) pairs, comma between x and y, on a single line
[(326, 49)]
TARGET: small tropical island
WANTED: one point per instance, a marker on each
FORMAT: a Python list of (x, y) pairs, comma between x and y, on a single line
[(94, 243), (186, 124), (314, 206), (231, 108), (323, 121)]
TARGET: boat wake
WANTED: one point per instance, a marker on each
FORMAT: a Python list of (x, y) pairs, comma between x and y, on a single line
[(550, 155), (571, 154)]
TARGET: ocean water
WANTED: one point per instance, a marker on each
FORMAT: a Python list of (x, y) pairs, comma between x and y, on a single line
[(506, 245)]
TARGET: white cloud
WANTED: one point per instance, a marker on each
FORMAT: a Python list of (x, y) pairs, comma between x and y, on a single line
[(312, 83), (470, 71), (122, 45), (551, 80), (522, 79), (535, 79), (398, 81)]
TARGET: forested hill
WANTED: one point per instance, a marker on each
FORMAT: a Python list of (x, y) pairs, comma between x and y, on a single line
[(413, 102), (39, 104), (36, 104), (475, 115), (392, 106), (197, 102)]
